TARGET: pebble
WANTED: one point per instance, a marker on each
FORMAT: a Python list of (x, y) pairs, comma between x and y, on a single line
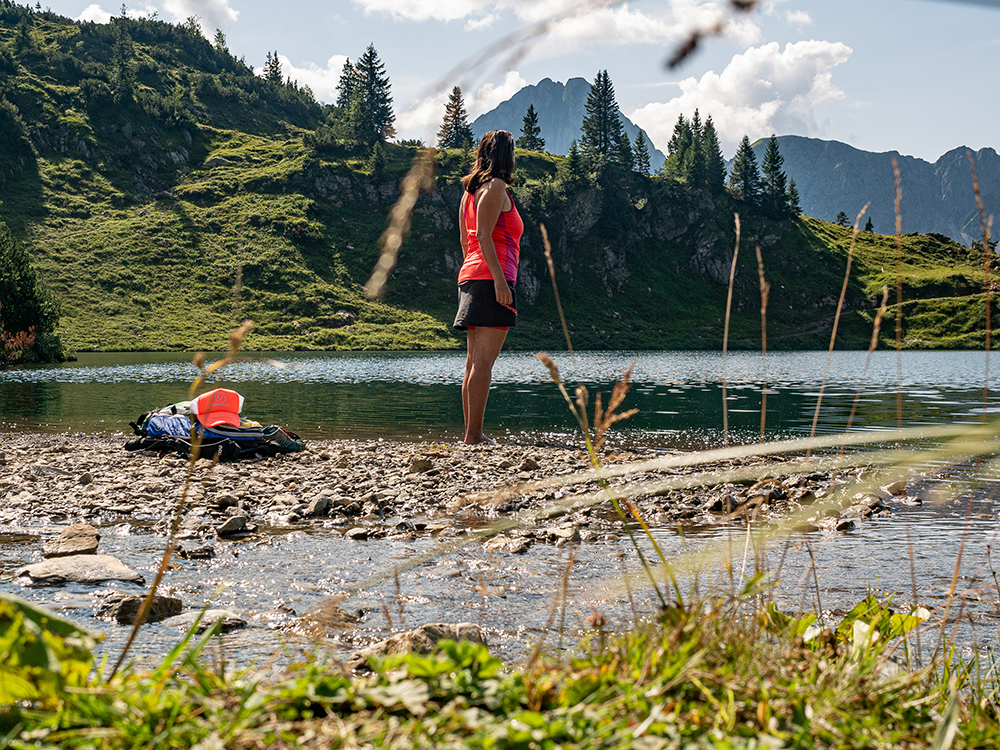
[(422, 640), (229, 620)]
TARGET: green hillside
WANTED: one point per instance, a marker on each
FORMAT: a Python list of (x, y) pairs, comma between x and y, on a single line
[(166, 194)]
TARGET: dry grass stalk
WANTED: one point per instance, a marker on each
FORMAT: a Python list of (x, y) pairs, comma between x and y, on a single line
[(419, 178), (986, 224), (725, 334), (871, 348), (765, 291), (691, 43), (235, 341), (555, 288), (836, 318), (899, 293)]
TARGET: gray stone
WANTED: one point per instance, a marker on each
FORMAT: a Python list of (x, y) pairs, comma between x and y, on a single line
[(318, 506), (78, 569), (503, 543), (529, 464), (420, 464), (896, 488), (423, 640), (78, 539), (228, 620), (124, 608), (85, 478), (204, 552), (358, 534), (232, 525)]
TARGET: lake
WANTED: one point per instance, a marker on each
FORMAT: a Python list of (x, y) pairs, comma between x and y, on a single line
[(416, 396)]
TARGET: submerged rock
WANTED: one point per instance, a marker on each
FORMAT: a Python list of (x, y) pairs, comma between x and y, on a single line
[(423, 640), (228, 620), (124, 608), (78, 569)]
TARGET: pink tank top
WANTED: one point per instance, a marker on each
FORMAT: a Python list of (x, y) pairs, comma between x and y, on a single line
[(506, 239)]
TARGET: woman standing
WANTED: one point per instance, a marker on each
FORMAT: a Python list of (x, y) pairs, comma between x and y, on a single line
[(491, 231)]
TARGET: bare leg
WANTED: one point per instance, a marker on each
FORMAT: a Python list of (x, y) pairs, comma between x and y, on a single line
[(484, 348)]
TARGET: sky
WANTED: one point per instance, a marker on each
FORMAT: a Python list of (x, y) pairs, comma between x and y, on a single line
[(911, 76)]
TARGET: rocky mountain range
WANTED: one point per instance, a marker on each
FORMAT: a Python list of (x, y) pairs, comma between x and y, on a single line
[(832, 177), (561, 109)]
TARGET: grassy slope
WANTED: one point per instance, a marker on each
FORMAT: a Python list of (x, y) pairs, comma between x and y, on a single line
[(151, 248)]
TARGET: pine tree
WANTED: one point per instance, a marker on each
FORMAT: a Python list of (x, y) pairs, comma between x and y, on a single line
[(792, 200), (715, 165), (677, 149), (272, 69), (641, 153), (869, 227), (574, 171), (774, 182), (530, 132), (694, 162), (842, 219), (374, 118), (602, 128), (220, 41), (347, 85), (376, 161), (744, 179), (455, 129), (123, 63), (696, 126), (25, 306)]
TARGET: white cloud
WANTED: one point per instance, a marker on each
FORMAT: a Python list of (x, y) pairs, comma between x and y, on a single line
[(490, 95), (423, 117), (95, 13), (578, 27), (762, 91), (479, 24), (798, 18), (322, 81), (211, 14)]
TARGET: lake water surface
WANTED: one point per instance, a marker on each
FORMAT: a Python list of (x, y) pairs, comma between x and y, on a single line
[(911, 554)]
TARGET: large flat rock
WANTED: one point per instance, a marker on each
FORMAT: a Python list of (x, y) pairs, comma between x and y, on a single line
[(78, 569), (227, 620)]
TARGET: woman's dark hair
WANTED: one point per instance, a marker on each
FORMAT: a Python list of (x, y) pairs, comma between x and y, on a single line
[(494, 158)]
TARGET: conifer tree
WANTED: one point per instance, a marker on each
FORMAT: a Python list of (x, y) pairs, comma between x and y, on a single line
[(123, 63), (696, 126), (694, 162), (625, 155), (25, 306), (793, 199), (677, 149), (574, 164), (641, 153), (220, 41), (455, 129), (774, 182), (373, 119), (272, 68), (842, 219), (602, 128), (347, 85), (715, 165), (869, 227), (531, 134), (744, 179)]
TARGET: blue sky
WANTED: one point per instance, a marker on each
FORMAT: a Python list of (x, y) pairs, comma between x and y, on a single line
[(907, 75)]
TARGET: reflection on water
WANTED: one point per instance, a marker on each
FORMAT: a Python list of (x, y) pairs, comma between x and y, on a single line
[(416, 395)]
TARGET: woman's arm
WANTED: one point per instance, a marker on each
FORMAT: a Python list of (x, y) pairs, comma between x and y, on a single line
[(490, 201), (463, 230)]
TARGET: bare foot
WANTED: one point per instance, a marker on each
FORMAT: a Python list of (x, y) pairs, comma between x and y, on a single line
[(479, 440)]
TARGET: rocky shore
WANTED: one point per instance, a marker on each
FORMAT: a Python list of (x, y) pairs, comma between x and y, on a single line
[(375, 489), (61, 490)]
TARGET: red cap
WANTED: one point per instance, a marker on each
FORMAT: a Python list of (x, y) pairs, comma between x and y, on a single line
[(221, 406)]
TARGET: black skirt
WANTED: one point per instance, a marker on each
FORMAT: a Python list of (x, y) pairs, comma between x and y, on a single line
[(478, 306)]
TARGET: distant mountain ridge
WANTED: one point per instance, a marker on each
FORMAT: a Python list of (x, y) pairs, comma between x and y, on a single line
[(832, 177), (561, 109)]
